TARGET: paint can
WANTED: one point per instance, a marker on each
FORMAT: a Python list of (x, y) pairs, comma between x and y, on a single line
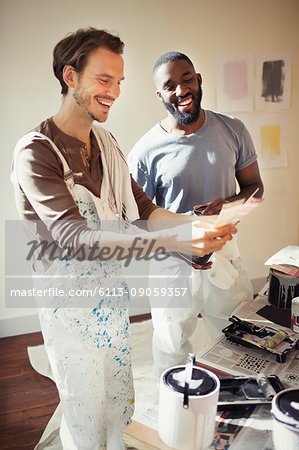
[(295, 315), (285, 412), (282, 289), (191, 428)]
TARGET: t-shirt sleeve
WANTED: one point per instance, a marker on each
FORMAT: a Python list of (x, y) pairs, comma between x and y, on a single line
[(144, 203), (140, 173), (247, 153)]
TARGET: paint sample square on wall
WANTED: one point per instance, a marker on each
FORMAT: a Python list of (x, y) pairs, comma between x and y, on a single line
[(273, 81), (270, 140), (234, 82)]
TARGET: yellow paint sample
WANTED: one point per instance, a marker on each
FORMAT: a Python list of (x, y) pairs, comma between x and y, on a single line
[(270, 141)]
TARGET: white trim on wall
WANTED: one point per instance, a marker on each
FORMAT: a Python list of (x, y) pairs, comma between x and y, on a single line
[(13, 326)]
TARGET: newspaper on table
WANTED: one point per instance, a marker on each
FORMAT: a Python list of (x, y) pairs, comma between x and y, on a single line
[(239, 360), (241, 428), (288, 255)]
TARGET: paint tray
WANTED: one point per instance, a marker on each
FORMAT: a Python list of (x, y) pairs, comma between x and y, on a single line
[(278, 342)]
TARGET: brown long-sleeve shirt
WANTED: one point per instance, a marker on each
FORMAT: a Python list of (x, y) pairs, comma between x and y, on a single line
[(42, 195)]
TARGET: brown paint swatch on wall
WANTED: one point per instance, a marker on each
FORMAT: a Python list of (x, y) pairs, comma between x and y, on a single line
[(273, 80)]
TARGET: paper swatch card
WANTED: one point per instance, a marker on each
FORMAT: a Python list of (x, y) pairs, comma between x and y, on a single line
[(229, 212), (234, 211)]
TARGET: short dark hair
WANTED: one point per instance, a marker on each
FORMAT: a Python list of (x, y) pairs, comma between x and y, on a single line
[(75, 48), (169, 57)]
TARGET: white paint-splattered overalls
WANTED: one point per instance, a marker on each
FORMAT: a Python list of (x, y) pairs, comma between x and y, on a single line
[(89, 349)]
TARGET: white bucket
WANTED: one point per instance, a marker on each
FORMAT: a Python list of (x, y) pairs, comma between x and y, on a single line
[(191, 428), (285, 412)]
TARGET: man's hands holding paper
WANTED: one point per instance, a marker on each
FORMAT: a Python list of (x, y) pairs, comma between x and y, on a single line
[(189, 235), (226, 233), (197, 238), (207, 238)]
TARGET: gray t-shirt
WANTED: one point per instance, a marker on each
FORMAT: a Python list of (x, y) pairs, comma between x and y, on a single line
[(183, 171)]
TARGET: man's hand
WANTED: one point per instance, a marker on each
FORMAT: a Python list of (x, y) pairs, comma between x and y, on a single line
[(207, 238), (209, 209), (192, 237), (196, 238), (205, 267)]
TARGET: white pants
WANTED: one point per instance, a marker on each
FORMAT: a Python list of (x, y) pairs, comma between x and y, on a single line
[(175, 320), (90, 356)]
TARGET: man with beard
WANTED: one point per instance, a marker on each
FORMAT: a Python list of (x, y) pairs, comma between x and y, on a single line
[(194, 156), (73, 188)]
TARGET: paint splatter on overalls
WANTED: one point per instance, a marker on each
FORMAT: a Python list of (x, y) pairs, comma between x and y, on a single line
[(89, 348)]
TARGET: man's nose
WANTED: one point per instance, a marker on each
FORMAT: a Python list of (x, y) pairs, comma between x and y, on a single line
[(181, 90), (114, 90)]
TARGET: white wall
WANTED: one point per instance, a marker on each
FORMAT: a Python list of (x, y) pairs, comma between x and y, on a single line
[(201, 29)]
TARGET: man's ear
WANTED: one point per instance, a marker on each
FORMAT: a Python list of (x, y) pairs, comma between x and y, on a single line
[(198, 76), (159, 95), (69, 76)]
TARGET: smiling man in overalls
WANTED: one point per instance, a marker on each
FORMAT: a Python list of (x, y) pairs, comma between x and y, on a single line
[(70, 177)]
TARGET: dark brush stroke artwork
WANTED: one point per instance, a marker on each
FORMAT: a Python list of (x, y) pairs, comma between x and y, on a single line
[(273, 80)]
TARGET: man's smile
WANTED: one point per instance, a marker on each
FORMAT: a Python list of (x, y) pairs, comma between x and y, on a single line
[(185, 101), (185, 104), (106, 103)]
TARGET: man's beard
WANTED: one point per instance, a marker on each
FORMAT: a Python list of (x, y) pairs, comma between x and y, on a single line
[(188, 117), (83, 101)]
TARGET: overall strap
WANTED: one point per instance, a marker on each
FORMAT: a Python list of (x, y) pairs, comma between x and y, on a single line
[(67, 172)]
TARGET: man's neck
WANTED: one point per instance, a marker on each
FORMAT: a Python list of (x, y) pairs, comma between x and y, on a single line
[(172, 126), (70, 120)]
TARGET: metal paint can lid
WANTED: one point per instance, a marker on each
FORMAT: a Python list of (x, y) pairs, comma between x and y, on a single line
[(201, 383), (285, 408)]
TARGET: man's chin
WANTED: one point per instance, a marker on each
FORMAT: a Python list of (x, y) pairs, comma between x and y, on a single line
[(186, 119), (101, 119), (183, 118)]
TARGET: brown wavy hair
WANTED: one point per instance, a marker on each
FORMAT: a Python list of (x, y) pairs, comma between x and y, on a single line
[(75, 48)]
